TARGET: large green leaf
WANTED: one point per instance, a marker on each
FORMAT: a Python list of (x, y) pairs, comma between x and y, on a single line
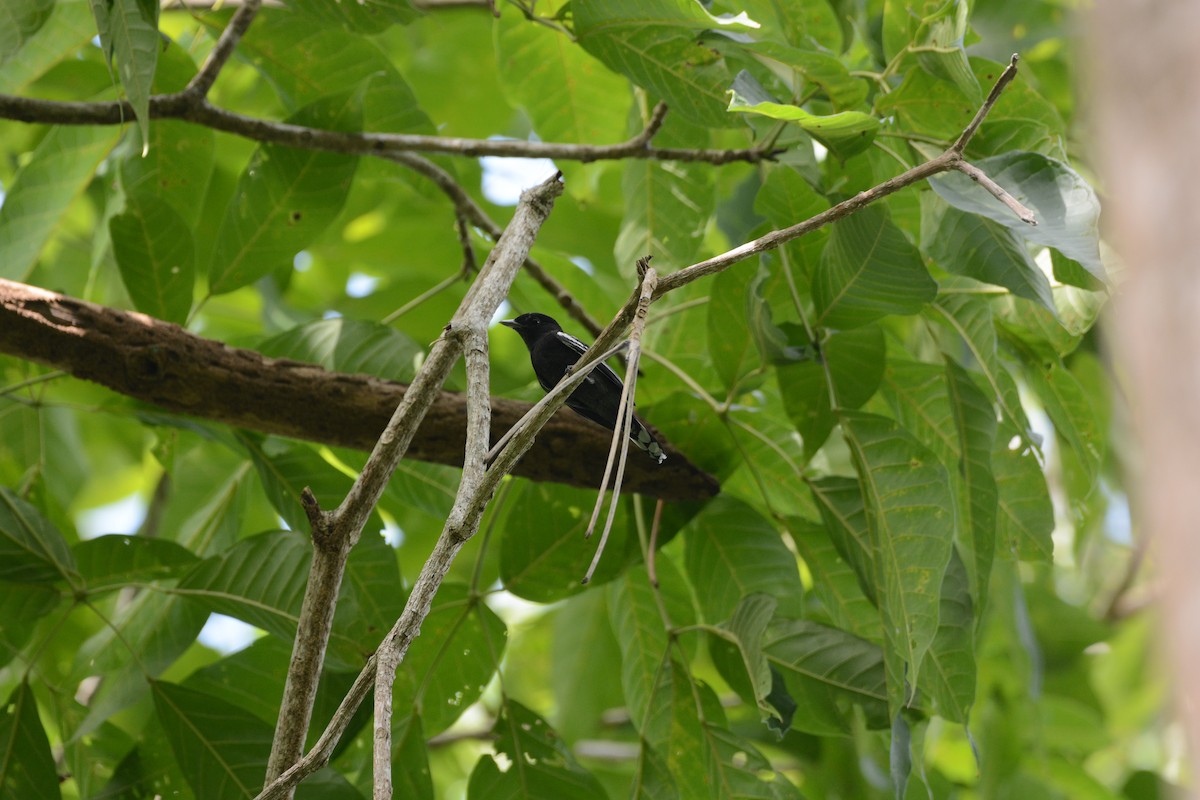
[(736, 650), (543, 555), (129, 31), (1071, 412), (32, 550), (22, 607), (284, 200), (654, 45), (910, 512), (35, 203), (108, 562), (584, 656), (834, 582), (154, 251), (933, 30), (869, 270), (825, 669), (840, 502), (980, 248), (19, 21), (1066, 207), (222, 749), (950, 675), (367, 16), (568, 95), (26, 764), (844, 90), (286, 468), (975, 424), (733, 552), (730, 340), (845, 133), (854, 360), (259, 580), (541, 766), (667, 206), (1026, 515), (449, 665), (57, 38), (348, 345)]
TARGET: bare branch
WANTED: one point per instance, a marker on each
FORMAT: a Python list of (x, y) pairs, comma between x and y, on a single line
[(1006, 77), (203, 80), (194, 108), (999, 192)]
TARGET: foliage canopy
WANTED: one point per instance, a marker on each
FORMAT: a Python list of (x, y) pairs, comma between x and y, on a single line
[(912, 579)]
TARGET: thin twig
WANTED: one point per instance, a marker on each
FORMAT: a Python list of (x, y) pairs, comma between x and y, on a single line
[(1006, 77), (200, 84), (649, 281), (651, 559), (999, 192)]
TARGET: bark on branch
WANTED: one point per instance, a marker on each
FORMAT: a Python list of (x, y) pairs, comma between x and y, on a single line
[(165, 365)]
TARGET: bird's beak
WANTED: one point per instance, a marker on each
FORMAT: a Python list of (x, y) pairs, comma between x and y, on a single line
[(510, 323)]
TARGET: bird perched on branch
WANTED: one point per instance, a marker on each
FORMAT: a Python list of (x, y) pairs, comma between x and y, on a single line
[(553, 351)]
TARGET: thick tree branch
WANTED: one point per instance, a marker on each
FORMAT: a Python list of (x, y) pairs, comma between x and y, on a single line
[(165, 365), (194, 108)]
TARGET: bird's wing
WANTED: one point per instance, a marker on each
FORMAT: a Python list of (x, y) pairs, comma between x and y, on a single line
[(602, 370)]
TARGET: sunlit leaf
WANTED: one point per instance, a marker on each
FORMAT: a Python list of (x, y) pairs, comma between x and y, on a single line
[(844, 133)]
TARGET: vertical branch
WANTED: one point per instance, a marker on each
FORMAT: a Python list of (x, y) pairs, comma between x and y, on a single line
[(336, 532)]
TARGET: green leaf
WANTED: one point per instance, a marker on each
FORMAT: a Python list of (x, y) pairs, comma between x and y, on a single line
[(785, 198), (638, 626), (730, 341), (826, 668), (69, 27), (108, 562), (934, 32), (449, 665), (845, 133), (32, 550), (1026, 515), (179, 165), (26, 764), (733, 552), (568, 95), (34, 204), (348, 345), (22, 607), (834, 581), (129, 31), (19, 21), (541, 764), (543, 555), (284, 200), (1071, 412), (980, 248), (840, 503), (975, 424), (869, 270), (843, 90), (949, 677), (286, 468), (367, 16), (154, 251), (910, 513), (306, 63), (584, 658), (667, 206), (739, 657), (259, 580), (855, 361), (1066, 207), (651, 778), (221, 749), (654, 45), (410, 761)]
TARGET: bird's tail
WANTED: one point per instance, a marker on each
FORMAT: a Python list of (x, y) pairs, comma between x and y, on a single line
[(645, 440)]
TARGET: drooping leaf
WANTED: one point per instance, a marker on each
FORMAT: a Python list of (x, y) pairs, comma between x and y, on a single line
[(950, 675), (34, 204), (980, 248), (869, 270), (844, 133), (32, 550), (26, 763), (738, 655), (1066, 207), (129, 33), (910, 513)]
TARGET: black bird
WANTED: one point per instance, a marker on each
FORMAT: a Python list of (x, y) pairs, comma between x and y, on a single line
[(552, 351)]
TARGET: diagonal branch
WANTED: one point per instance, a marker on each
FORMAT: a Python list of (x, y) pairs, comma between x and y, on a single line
[(239, 23)]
